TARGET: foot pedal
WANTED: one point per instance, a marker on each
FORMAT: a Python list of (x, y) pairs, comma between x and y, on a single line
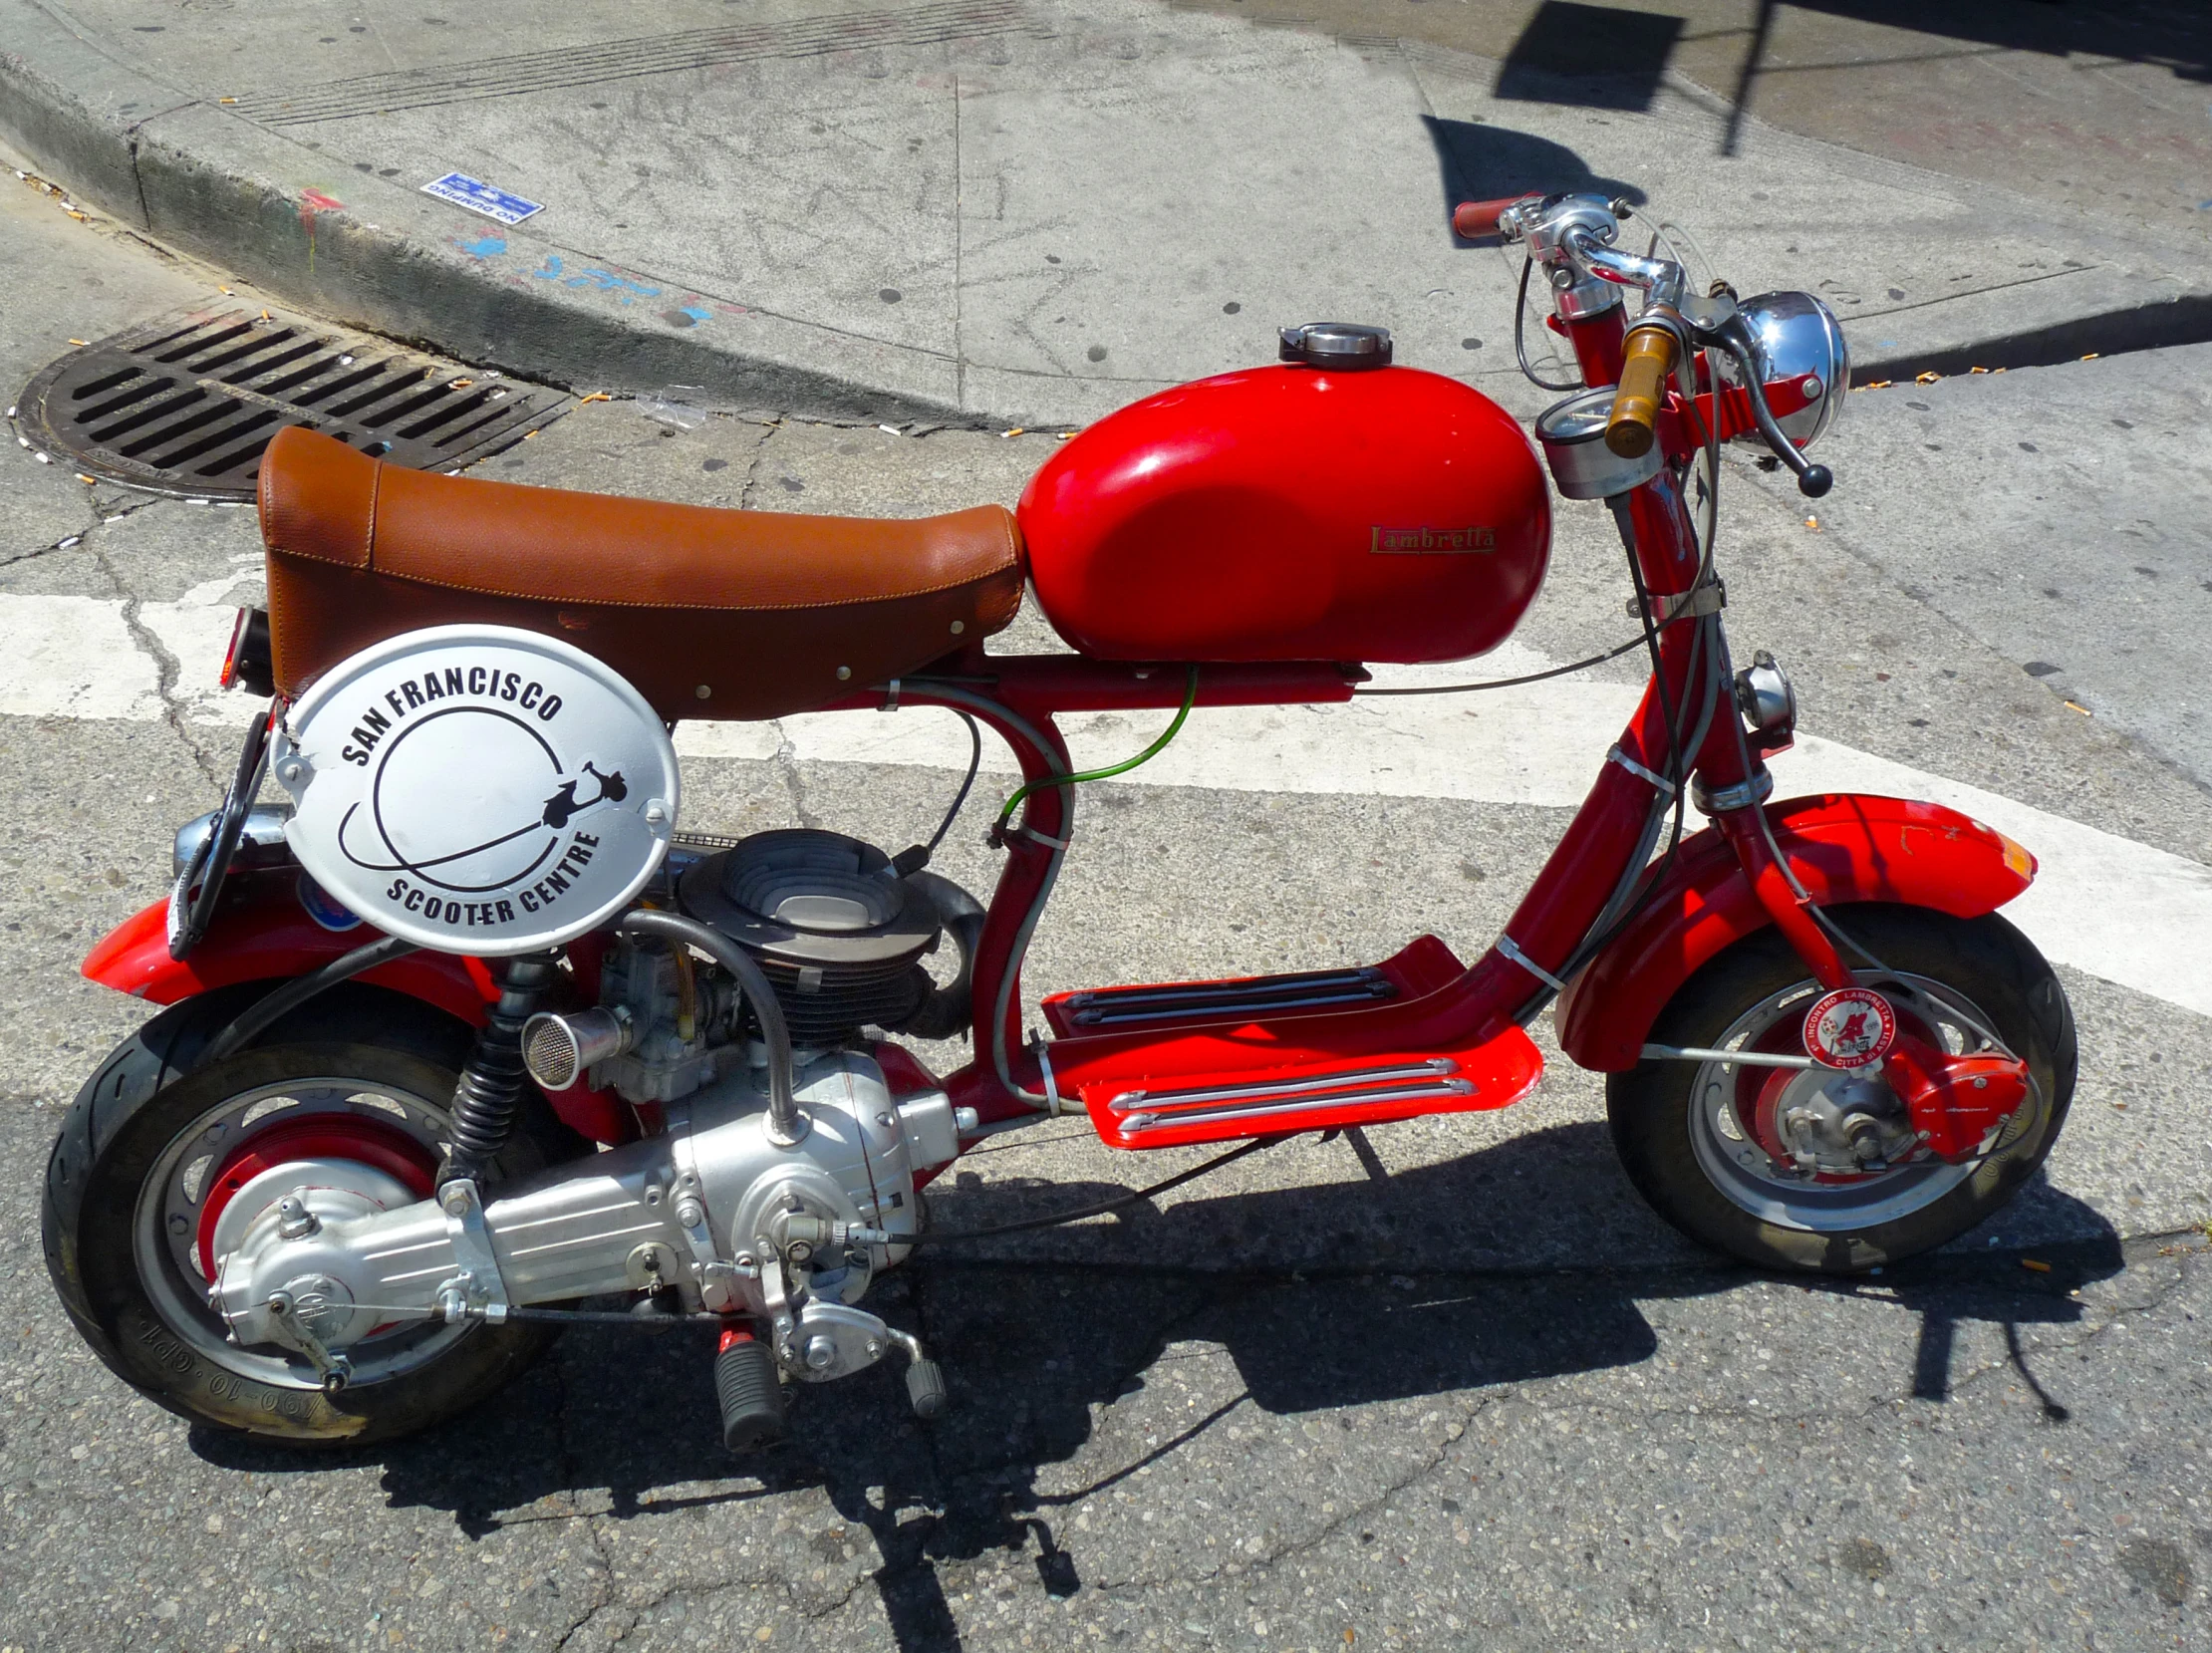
[(925, 1388), (1135, 1106), (750, 1393)]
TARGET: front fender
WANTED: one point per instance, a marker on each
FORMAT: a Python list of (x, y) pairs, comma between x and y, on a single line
[(1843, 847), (265, 935)]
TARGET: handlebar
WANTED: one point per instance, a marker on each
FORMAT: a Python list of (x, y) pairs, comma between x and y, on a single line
[(1472, 220), (1646, 360), (1572, 236)]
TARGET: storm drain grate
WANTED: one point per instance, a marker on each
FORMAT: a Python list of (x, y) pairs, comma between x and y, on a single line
[(183, 406)]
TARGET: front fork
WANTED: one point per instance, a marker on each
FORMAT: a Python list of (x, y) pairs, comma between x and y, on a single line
[(1955, 1101)]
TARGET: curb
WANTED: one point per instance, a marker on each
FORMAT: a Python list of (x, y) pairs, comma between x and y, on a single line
[(377, 255), (2128, 325)]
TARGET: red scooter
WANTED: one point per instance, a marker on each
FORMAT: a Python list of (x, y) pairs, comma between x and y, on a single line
[(470, 1039)]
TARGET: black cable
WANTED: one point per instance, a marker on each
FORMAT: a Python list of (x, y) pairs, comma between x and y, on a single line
[(784, 1117), (256, 1018), (1650, 640), (1790, 873), (1515, 683), (1592, 945), (1710, 440), (1098, 1210), (959, 799), (1521, 346)]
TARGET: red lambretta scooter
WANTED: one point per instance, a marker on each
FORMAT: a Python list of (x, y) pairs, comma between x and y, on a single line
[(469, 1038)]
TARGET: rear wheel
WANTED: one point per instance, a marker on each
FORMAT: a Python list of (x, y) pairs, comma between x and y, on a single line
[(160, 1166), (1820, 1170)]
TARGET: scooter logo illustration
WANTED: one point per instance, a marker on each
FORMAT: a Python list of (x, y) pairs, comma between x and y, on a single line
[(406, 823), (478, 789), (1850, 1027)]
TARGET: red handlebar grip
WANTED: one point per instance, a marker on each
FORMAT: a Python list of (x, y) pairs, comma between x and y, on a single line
[(1472, 220)]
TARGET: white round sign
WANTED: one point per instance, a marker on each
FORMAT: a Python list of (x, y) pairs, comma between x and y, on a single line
[(477, 789)]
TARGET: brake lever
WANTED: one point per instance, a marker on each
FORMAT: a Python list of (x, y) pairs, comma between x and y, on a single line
[(1812, 481)]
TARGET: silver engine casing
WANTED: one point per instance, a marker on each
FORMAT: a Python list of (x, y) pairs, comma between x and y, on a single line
[(701, 1209)]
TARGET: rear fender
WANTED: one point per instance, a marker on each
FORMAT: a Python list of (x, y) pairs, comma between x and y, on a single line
[(267, 935), (1843, 848)]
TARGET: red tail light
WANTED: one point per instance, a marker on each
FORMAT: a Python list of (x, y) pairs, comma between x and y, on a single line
[(247, 663)]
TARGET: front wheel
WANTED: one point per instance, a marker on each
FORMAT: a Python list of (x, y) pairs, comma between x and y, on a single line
[(162, 1162), (1820, 1170)]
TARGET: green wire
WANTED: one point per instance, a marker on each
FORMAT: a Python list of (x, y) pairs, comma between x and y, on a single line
[(1189, 698)]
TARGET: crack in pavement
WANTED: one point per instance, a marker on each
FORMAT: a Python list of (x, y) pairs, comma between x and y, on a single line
[(2161, 1294), (602, 1578), (168, 669), (1454, 1433), (2094, 1333), (67, 543), (2189, 1263), (784, 761), (794, 1597), (760, 456)]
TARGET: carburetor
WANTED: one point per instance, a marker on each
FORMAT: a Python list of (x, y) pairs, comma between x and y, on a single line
[(677, 1022)]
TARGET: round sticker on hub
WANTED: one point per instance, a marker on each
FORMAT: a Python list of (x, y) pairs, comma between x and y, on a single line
[(477, 789)]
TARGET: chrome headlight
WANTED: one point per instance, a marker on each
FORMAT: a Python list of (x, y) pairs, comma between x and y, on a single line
[(1802, 361)]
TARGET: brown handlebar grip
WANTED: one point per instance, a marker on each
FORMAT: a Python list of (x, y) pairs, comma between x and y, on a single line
[(1645, 364), (1472, 220)]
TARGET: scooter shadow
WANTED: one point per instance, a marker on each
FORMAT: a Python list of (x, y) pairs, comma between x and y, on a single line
[(627, 1424)]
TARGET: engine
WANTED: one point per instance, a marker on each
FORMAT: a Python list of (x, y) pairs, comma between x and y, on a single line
[(720, 1212), (712, 1211), (839, 932), (837, 926)]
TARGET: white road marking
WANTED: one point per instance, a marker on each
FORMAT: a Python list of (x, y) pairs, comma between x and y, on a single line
[(2103, 904), (73, 657)]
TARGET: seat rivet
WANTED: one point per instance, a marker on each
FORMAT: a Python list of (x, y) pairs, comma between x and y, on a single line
[(958, 626), (844, 671), (703, 692)]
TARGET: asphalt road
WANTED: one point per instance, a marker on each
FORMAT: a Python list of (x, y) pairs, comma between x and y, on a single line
[(1453, 1387)]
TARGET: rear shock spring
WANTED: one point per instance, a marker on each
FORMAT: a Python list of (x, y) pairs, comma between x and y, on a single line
[(489, 1096)]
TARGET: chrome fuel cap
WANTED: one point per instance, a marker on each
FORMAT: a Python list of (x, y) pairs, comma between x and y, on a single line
[(1345, 346)]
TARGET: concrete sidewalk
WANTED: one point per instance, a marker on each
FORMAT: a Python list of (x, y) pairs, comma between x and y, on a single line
[(980, 211)]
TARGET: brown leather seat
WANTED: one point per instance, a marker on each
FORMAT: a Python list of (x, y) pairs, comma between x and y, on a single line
[(709, 612)]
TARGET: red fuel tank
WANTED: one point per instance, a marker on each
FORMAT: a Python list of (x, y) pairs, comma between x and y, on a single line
[(1291, 513)]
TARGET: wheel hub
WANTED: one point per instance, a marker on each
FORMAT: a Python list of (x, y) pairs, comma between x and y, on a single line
[(1826, 1124), (337, 1166), (1831, 1125)]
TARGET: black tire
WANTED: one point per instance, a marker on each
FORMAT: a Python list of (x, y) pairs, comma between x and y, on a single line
[(130, 1113), (1984, 961)]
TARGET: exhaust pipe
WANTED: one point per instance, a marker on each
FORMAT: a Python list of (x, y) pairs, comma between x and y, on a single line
[(558, 1047)]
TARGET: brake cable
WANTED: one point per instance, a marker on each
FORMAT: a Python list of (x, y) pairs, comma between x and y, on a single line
[(1636, 642), (1521, 346), (1099, 1208)]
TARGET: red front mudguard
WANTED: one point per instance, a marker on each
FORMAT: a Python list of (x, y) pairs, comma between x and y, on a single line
[(262, 933), (1843, 847)]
